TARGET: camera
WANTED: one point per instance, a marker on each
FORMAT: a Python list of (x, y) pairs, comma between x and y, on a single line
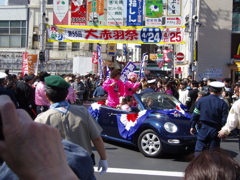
[(194, 17)]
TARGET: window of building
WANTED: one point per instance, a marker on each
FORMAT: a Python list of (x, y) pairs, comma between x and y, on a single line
[(75, 46), (236, 16), (13, 34), (62, 46), (49, 1), (49, 46), (90, 46)]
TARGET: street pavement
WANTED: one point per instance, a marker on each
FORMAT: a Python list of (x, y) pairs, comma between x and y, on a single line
[(126, 162)]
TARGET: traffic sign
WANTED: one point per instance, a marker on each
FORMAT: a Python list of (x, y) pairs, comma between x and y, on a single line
[(179, 56)]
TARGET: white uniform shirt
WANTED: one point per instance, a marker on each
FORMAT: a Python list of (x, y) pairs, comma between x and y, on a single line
[(233, 120)]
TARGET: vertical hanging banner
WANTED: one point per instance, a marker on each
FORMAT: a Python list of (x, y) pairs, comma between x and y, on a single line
[(24, 63), (94, 57), (154, 13), (100, 62), (60, 12), (141, 73), (134, 12), (174, 8), (78, 12), (32, 64), (108, 73), (115, 13), (95, 13)]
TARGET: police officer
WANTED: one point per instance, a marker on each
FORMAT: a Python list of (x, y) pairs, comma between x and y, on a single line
[(151, 86), (211, 112)]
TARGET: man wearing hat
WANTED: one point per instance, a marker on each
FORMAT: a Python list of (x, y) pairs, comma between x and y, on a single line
[(151, 86), (73, 122), (25, 95), (211, 112), (6, 91)]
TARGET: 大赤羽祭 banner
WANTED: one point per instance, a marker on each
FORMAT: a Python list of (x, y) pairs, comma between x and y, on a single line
[(134, 12), (113, 34), (95, 13), (78, 12)]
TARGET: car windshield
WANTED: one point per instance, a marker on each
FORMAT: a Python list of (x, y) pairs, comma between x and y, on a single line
[(159, 101)]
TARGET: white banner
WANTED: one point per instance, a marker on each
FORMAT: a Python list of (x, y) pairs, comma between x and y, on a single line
[(105, 34)]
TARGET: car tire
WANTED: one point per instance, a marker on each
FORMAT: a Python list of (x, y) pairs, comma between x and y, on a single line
[(149, 144)]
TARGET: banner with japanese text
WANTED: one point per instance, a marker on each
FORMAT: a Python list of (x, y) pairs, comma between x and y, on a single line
[(95, 12), (115, 13), (100, 62), (130, 67), (32, 63), (106, 34), (94, 57), (78, 12), (60, 12), (134, 12), (24, 63)]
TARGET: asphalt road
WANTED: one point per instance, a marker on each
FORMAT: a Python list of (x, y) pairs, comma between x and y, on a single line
[(127, 163)]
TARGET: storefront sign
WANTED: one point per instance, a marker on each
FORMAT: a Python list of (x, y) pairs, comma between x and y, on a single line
[(134, 12), (60, 12), (115, 13), (78, 12)]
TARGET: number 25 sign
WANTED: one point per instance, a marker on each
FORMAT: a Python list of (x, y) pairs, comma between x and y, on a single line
[(172, 35)]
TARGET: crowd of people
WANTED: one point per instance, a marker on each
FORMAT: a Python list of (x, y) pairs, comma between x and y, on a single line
[(57, 100)]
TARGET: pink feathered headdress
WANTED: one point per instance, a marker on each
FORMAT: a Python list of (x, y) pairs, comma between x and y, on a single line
[(132, 75)]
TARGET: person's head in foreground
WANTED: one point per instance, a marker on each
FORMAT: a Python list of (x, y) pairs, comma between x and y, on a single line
[(213, 165)]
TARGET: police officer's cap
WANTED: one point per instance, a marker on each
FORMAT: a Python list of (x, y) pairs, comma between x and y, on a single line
[(2, 75), (205, 79), (216, 84), (56, 82), (152, 81)]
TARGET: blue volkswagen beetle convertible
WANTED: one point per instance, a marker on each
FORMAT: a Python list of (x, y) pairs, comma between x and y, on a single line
[(158, 124)]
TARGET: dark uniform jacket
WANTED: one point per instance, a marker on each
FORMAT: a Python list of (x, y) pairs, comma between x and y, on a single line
[(210, 110), (191, 99)]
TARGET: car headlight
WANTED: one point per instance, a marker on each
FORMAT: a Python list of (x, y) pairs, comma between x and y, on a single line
[(170, 127)]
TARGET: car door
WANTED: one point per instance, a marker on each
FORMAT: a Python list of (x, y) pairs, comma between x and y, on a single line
[(108, 121)]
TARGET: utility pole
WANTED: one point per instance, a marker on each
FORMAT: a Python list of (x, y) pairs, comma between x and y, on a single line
[(42, 33), (192, 19)]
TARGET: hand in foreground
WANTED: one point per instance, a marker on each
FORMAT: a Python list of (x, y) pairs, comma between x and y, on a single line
[(221, 135), (32, 150), (192, 131), (104, 165)]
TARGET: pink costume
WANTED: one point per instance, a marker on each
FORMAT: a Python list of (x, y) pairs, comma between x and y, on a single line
[(130, 88), (114, 92), (40, 96), (71, 97)]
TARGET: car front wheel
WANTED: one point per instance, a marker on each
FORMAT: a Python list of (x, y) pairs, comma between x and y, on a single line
[(149, 144)]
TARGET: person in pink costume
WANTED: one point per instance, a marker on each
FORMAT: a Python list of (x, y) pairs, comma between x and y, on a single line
[(114, 88), (131, 85), (40, 95), (71, 97)]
